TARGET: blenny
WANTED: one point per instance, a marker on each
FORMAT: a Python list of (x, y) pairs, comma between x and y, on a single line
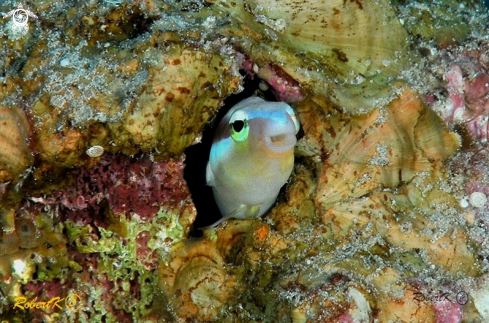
[(251, 157)]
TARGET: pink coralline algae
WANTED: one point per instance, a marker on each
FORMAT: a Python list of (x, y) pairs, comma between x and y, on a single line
[(128, 185), (468, 89), (345, 318), (285, 88), (478, 172), (49, 289), (448, 311), (466, 72), (143, 252)]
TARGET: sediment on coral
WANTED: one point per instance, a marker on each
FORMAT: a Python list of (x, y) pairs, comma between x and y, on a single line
[(347, 51), (361, 227)]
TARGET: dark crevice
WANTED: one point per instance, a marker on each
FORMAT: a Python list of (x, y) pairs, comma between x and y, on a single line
[(197, 157)]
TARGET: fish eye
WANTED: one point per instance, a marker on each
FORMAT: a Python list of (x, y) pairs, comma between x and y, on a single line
[(238, 125), (239, 129)]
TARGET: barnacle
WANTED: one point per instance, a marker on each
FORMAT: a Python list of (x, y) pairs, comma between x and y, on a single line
[(95, 151), (28, 233)]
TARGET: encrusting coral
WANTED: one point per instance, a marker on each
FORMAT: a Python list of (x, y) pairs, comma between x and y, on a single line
[(348, 51), (99, 100), (133, 211), (364, 237), (15, 156)]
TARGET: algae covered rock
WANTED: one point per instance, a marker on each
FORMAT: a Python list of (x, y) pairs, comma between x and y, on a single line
[(14, 151), (348, 51), (355, 236), (92, 225)]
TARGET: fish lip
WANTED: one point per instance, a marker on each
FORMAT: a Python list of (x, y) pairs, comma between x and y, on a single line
[(280, 143)]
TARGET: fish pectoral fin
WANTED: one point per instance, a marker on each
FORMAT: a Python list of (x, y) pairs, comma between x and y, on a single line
[(252, 211), (248, 211), (226, 217), (209, 175)]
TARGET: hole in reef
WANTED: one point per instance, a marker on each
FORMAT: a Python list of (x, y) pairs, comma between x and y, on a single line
[(197, 157)]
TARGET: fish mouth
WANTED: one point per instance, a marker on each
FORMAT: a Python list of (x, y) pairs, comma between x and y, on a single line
[(280, 143)]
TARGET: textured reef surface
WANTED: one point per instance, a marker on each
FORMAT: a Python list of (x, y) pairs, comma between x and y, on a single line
[(384, 219)]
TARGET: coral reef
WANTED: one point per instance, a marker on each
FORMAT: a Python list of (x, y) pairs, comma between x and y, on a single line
[(115, 220), (440, 22), (385, 216), (460, 98), (349, 51), (468, 86), (350, 243)]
